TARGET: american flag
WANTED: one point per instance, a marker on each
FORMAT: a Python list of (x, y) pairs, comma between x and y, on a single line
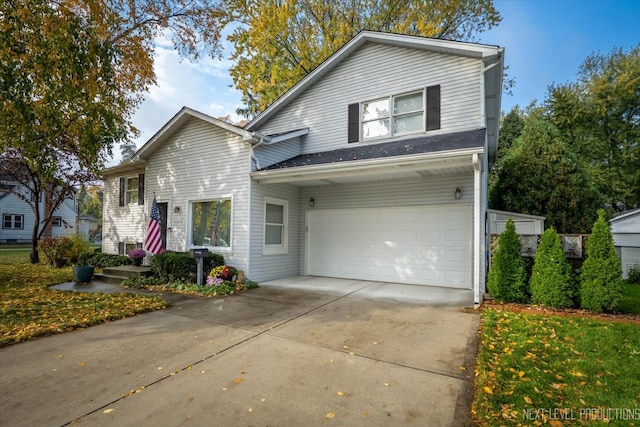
[(153, 242)]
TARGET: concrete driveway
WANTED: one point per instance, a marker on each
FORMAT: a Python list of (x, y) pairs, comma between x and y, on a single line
[(299, 351)]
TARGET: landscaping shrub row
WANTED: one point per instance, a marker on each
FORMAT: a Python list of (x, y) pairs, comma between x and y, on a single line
[(552, 282), (181, 266)]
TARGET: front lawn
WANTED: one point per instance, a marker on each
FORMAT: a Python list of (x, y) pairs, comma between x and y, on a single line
[(560, 371), (29, 309)]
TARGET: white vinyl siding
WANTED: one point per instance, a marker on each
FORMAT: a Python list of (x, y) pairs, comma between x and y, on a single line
[(267, 155), (267, 266), (200, 162), (373, 72), (120, 223), (276, 214)]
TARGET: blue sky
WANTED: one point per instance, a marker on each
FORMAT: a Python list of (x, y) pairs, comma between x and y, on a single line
[(545, 42)]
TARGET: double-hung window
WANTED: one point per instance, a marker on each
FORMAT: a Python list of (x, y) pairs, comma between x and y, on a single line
[(211, 223), (131, 190), (275, 226), (13, 222)]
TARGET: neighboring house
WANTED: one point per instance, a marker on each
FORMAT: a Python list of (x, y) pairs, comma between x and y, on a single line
[(525, 224), (372, 167), (626, 239), (18, 218), (87, 225)]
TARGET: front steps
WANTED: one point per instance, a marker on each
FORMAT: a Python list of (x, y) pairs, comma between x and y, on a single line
[(116, 275)]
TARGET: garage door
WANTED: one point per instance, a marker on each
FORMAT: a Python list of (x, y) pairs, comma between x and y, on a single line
[(417, 245)]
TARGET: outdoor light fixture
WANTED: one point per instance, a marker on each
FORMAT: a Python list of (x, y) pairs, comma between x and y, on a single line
[(312, 202), (176, 209), (458, 193)]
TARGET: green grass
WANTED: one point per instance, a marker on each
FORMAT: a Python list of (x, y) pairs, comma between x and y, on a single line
[(630, 299), (533, 362), (29, 309)]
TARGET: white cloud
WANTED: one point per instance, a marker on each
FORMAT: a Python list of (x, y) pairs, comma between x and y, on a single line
[(202, 85)]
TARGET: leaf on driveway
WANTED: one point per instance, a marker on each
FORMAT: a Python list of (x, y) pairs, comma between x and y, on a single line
[(340, 393), (81, 364), (330, 415), (238, 380), (106, 411)]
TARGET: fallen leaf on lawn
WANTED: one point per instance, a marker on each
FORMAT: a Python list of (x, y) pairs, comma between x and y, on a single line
[(340, 393), (106, 411), (555, 423), (521, 374), (488, 390), (528, 400), (238, 380), (330, 415)]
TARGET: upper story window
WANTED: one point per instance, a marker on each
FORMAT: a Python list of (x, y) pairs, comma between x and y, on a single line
[(13, 222), (275, 226), (405, 113), (211, 223), (131, 190)]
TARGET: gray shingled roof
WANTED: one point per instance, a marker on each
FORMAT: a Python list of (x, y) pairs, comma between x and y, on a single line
[(421, 145)]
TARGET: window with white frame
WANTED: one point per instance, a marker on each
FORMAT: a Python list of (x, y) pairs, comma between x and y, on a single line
[(393, 115), (211, 223), (275, 226), (132, 191), (397, 114), (56, 221), (12, 222)]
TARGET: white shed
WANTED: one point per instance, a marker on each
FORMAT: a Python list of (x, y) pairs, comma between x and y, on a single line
[(626, 238), (525, 224)]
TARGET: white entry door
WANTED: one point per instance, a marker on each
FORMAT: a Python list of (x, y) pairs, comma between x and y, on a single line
[(417, 245)]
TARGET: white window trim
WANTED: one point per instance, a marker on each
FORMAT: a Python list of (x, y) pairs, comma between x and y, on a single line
[(188, 225), (392, 116), (127, 191), (284, 247), (13, 221)]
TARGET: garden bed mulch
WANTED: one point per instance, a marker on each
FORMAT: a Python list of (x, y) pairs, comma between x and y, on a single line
[(567, 312)]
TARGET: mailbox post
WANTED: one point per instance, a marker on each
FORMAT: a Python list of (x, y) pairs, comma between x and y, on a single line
[(199, 254)]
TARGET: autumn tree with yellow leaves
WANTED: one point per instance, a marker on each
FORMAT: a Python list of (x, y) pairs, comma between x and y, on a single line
[(72, 73), (278, 42)]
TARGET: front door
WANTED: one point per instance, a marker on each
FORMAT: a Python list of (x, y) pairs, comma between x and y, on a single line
[(162, 210)]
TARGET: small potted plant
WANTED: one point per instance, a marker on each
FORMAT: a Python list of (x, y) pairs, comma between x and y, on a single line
[(136, 256), (82, 271)]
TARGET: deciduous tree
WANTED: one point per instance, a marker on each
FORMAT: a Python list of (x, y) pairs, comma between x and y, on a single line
[(71, 74), (278, 42), (599, 117)]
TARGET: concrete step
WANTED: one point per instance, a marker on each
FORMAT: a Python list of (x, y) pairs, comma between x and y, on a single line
[(107, 278), (127, 271)]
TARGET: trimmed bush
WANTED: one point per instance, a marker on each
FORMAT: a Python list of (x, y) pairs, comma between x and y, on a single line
[(102, 260), (634, 274), (180, 266), (551, 282), (506, 281), (601, 275)]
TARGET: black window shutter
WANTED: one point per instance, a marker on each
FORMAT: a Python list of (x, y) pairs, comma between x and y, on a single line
[(120, 248), (141, 189), (433, 107), (122, 191), (354, 123)]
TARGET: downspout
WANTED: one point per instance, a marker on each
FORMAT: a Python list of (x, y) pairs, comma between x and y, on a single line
[(477, 229), (252, 157)]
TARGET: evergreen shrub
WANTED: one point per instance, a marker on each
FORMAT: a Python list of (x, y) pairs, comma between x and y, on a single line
[(601, 275), (507, 277), (551, 281)]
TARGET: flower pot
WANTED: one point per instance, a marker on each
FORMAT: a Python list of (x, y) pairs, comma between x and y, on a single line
[(83, 273), (137, 261)]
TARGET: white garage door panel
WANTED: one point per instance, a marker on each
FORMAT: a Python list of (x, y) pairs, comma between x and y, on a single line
[(418, 245)]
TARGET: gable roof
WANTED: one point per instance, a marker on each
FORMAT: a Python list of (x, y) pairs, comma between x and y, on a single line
[(625, 215), (492, 57), (419, 145), (177, 121)]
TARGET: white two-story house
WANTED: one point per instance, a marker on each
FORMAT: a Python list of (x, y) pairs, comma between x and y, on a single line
[(372, 167)]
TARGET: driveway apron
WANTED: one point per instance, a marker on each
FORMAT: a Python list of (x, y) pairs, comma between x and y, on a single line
[(299, 351)]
